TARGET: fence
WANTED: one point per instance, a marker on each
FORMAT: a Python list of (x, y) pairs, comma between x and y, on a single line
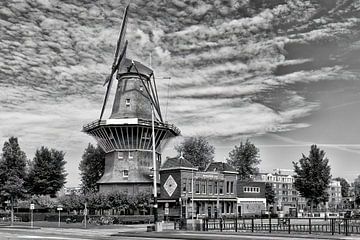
[(289, 225)]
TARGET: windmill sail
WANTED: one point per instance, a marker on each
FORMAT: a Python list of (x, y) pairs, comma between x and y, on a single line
[(120, 46)]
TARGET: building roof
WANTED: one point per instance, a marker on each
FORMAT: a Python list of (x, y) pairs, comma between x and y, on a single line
[(220, 167), (176, 163)]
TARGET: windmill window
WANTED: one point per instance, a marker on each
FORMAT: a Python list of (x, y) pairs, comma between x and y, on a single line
[(126, 173), (131, 156), (127, 102), (141, 88), (120, 155)]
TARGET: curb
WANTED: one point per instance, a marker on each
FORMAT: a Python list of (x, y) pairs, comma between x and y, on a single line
[(19, 227), (178, 235)]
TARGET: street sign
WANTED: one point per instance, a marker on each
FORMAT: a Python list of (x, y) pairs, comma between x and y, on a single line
[(32, 206), (166, 211), (59, 209), (166, 205)]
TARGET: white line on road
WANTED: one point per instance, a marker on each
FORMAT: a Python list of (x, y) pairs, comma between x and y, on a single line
[(46, 237)]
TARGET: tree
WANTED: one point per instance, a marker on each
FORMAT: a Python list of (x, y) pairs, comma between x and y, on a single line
[(47, 172), (12, 170), (269, 194), (12, 173), (357, 200), (244, 158), (91, 167), (313, 176), (196, 150), (345, 186)]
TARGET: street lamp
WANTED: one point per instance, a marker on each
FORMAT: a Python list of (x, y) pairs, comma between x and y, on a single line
[(192, 199), (155, 165)]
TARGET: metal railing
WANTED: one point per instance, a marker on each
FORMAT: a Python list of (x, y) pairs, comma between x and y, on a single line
[(289, 225)]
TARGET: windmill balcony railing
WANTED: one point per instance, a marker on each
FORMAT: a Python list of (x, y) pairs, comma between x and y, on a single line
[(98, 123)]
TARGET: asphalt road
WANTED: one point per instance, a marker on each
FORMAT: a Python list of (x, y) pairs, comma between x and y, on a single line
[(129, 234), (58, 234)]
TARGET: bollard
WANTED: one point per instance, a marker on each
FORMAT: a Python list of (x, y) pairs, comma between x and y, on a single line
[(236, 225), (252, 225), (221, 225), (310, 226)]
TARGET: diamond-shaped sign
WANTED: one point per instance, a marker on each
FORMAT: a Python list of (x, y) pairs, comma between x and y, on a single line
[(170, 185)]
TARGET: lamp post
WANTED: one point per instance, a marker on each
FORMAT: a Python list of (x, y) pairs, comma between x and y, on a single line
[(192, 199), (155, 165)]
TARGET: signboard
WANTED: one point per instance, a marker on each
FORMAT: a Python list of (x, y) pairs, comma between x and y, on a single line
[(170, 185), (59, 209), (166, 211), (32, 206), (85, 212)]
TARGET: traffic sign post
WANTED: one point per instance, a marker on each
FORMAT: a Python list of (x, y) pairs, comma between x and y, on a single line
[(59, 208), (32, 207)]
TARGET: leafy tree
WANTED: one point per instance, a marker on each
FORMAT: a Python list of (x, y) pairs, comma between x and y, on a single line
[(269, 193), (47, 172), (345, 186), (12, 170), (244, 158), (72, 202), (92, 167), (313, 176), (357, 200), (12, 173), (197, 150)]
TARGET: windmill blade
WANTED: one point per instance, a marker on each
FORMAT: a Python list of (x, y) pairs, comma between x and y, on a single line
[(106, 96), (120, 41), (118, 59), (117, 65), (119, 44)]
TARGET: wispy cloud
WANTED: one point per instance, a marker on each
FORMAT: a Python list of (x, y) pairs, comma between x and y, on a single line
[(222, 58)]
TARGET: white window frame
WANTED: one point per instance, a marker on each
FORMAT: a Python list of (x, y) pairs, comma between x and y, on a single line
[(127, 102), (125, 175)]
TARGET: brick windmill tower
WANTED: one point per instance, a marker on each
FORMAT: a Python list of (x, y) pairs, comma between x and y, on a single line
[(135, 134)]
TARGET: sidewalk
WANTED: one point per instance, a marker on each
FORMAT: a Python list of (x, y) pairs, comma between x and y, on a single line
[(232, 235)]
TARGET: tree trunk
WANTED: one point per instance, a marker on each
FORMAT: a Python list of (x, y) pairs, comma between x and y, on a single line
[(12, 211)]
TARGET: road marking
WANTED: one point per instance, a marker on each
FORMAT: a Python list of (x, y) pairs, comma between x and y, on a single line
[(46, 237)]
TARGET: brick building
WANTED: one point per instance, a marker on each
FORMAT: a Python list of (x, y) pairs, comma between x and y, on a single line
[(286, 196), (251, 199), (213, 192), (334, 191)]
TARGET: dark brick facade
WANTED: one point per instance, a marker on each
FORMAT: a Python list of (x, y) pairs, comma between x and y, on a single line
[(216, 191)]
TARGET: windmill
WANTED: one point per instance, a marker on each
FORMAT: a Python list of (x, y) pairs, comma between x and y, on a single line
[(135, 134)]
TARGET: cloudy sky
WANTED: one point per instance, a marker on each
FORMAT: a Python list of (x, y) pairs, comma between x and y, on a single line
[(284, 75)]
